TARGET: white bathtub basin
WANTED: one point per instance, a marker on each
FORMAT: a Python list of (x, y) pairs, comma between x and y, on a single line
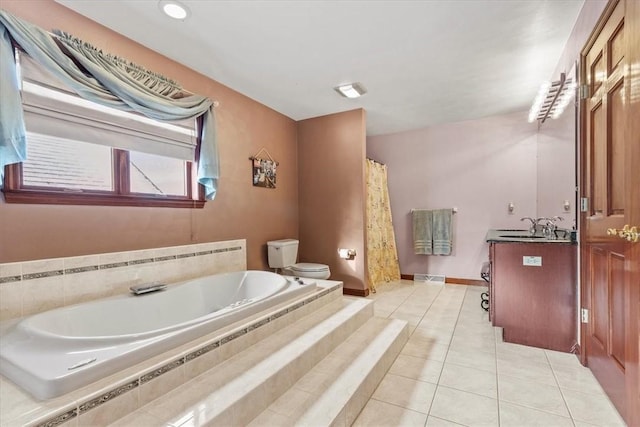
[(55, 352)]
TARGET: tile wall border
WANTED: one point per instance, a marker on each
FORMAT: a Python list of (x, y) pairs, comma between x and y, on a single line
[(60, 419), (107, 396), (9, 279), (134, 262), (150, 375)]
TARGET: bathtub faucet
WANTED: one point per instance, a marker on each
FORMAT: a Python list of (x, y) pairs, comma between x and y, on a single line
[(145, 289), (295, 279)]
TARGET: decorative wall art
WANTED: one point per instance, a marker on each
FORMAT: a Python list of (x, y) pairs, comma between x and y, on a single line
[(264, 169)]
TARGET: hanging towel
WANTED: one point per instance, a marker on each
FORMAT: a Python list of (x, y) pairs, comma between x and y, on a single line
[(441, 231), (422, 238)]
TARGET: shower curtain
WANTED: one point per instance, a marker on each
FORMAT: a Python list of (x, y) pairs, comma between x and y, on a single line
[(382, 255)]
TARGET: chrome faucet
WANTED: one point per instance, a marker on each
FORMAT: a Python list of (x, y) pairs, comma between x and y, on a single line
[(550, 226), (534, 224)]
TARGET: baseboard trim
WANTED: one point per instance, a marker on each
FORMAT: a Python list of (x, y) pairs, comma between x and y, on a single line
[(452, 280), (355, 292), (577, 350), (472, 282)]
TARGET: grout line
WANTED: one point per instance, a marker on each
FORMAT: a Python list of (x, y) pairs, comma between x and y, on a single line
[(397, 406), (555, 377), (410, 335), (427, 309), (448, 347), (464, 299), (443, 419), (495, 347)]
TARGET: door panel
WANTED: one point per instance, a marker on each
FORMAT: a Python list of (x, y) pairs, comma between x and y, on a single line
[(616, 47), (609, 178), (617, 310), (616, 150), (599, 159), (597, 73), (632, 268), (599, 299)]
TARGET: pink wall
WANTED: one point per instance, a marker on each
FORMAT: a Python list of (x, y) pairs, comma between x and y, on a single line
[(478, 166), (556, 138), (589, 15), (481, 165), (556, 168)]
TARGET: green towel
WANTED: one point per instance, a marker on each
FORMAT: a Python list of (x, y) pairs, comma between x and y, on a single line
[(422, 225), (441, 231)]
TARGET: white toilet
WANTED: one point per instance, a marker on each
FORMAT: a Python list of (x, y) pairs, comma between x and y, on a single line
[(283, 254)]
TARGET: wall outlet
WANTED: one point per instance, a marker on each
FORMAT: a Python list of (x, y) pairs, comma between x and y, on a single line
[(532, 261)]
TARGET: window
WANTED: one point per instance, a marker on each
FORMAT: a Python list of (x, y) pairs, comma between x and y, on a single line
[(81, 152), (59, 163), (152, 174)]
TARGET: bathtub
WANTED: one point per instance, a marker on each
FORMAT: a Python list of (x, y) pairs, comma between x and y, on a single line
[(55, 352)]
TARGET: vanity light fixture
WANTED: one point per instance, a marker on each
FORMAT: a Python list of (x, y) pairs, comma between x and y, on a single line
[(351, 90), (538, 101), (552, 99), (174, 9), (565, 98)]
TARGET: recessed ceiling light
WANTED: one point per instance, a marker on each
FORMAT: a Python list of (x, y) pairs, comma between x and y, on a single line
[(351, 90), (174, 9)]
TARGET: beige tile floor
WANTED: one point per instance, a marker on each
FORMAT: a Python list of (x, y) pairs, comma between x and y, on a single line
[(456, 370)]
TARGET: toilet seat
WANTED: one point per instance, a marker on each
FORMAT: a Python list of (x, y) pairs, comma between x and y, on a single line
[(310, 270)]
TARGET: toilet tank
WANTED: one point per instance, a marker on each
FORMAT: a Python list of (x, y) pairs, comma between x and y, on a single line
[(282, 253)]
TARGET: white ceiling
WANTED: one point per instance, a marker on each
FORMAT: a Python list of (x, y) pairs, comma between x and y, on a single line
[(423, 62)]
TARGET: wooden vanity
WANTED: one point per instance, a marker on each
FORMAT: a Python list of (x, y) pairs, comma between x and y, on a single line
[(533, 290)]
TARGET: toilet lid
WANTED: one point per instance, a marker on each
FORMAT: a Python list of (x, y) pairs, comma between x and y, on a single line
[(309, 267)]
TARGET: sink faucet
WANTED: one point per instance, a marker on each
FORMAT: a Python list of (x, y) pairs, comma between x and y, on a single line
[(550, 226), (534, 223)]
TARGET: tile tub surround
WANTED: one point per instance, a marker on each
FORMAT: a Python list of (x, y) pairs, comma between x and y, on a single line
[(53, 353), (36, 286), (108, 399)]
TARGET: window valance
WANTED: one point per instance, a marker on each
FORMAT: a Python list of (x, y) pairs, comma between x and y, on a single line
[(103, 79)]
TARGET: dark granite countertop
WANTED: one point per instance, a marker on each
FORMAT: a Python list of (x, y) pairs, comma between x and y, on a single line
[(524, 236)]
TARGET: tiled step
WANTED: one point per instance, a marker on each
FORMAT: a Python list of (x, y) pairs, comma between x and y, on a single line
[(117, 395), (237, 390), (334, 392)]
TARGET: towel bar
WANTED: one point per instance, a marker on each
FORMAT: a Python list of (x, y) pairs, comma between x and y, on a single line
[(453, 210)]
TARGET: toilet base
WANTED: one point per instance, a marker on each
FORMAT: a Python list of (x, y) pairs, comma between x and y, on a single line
[(319, 275)]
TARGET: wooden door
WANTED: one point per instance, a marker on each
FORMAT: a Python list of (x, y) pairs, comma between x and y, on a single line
[(609, 180)]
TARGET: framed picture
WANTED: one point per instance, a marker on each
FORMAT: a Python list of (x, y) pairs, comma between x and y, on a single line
[(264, 170)]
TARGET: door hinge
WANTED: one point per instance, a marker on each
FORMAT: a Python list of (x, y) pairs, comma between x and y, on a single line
[(583, 92), (584, 315), (584, 204)]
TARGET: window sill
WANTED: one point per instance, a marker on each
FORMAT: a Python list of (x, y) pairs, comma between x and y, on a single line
[(95, 199)]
